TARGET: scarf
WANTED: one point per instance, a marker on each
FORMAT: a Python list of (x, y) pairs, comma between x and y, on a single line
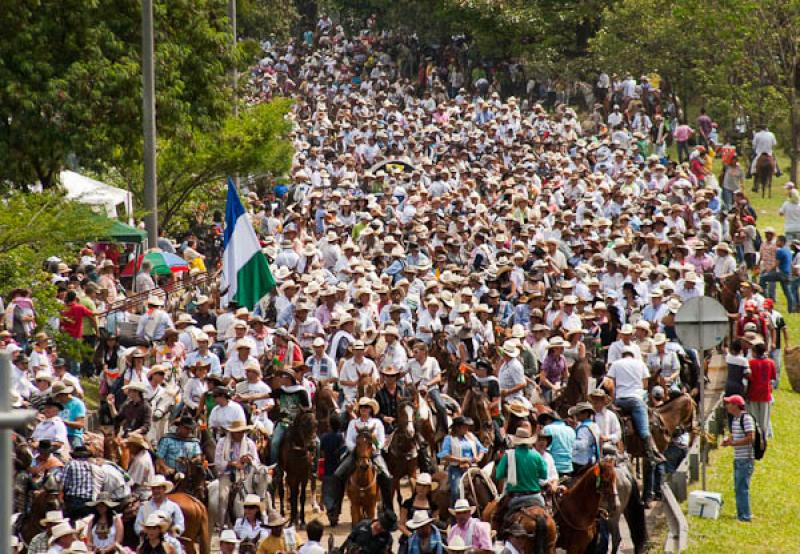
[(244, 450), (512, 466)]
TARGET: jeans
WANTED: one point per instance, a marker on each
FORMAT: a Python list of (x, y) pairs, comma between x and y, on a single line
[(638, 410), (775, 354), (441, 410), (454, 474), (683, 151), (769, 278), (275, 445), (727, 198), (653, 478), (742, 472)]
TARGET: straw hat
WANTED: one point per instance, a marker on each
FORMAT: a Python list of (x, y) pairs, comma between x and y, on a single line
[(77, 547), (63, 529), (153, 520), (103, 498), (580, 407), (420, 519), (252, 500), (137, 439), (158, 368), (510, 350), (518, 331), (461, 506), (52, 517), (154, 300), (556, 342), (518, 409), (159, 481), (229, 536), (238, 427), (274, 519), (365, 401), (659, 338), (523, 437), (457, 545), (425, 480)]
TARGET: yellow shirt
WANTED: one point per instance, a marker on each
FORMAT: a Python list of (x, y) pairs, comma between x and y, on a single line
[(271, 545)]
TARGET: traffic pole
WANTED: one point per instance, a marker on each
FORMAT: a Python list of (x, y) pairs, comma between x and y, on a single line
[(234, 72), (9, 419), (149, 125)]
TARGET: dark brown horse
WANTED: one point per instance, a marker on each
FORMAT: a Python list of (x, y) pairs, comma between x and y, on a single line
[(577, 387), (325, 406), (362, 487), (540, 527), (577, 509), (44, 500), (297, 454), (401, 456), (763, 175), (477, 408), (193, 481), (664, 419), (456, 383)]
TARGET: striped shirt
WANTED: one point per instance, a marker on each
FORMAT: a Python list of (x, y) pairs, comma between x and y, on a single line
[(743, 452), (79, 479)]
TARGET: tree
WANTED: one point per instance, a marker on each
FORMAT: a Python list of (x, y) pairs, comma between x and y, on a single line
[(71, 77)]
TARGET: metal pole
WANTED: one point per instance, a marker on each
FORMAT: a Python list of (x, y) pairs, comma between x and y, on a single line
[(701, 408), (6, 455), (234, 72), (149, 124)]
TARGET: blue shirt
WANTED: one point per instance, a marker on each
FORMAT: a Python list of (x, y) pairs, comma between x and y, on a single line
[(561, 447), (783, 257), (434, 542), (209, 358), (467, 450), (73, 409), (585, 450), (170, 448)]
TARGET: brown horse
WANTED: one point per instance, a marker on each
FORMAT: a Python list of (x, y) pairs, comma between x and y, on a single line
[(325, 405), (763, 175), (193, 481), (541, 532), (456, 387), (297, 454), (577, 387), (401, 456), (477, 408), (362, 487), (577, 509), (664, 419), (44, 500), (195, 517), (366, 387)]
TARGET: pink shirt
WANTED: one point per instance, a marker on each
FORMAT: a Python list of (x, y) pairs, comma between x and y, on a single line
[(682, 133), (481, 539)]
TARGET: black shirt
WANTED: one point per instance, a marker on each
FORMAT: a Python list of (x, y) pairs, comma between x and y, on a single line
[(387, 402), (331, 445), (362, 536)]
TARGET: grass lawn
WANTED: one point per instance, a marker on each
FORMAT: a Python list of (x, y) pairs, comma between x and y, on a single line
[(775, 494)]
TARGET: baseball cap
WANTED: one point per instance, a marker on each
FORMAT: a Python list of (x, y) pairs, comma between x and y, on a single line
[(735, 399)]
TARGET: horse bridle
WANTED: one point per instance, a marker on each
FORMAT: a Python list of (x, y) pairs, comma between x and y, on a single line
[(600, 486)]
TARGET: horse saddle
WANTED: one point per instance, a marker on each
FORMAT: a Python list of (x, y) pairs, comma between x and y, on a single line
[(521, 502)]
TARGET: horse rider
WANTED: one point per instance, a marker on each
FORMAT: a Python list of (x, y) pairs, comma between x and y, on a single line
[(764, 142), (483, 380), (388, 396), (367, 410), (140, 468), (524, 469), (460, 450), (158, 398), (562, 439), (159, 488), (52, 427), (40, 543), (135, 415), (606, 420), (155, 321), (426, 375), (474, 533), (176, 446), (586, 450), (225, 412), (291, 398), (236, 453), (628, 376)]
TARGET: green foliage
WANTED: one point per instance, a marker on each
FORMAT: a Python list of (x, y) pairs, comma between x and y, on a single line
[(259, 19), (70, 80)]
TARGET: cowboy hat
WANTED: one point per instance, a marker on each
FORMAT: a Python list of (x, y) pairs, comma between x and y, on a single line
[(425, 480), (391, 371), (252, 500), (556, 342), (46, 446), (154, 300), (60, 387), (135, 385), (274, 519), (103, 498), (81, 452), (153, 520), (522, 437), (61, 530), (599, 393), (518, 331), (509, 349), (53, 516), (159, 481), (238, 427), (580, 407), (139, 440), (229, 535), (365, 401), (456, 544), (518, 409), (158, 368), (420, 519), (461, 506), (77, 547), (547, 413)]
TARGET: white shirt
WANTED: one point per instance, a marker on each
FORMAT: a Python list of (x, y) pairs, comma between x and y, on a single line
[(608, 423), (352, 371), (373, 424), (224, 416), (422, 375), (235, 367), (615, 351), (260, 387), (510, 375), (52, 429), (628, 374)]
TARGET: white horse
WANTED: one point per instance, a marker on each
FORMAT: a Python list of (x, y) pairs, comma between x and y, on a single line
[(161, 405), (254, 481)]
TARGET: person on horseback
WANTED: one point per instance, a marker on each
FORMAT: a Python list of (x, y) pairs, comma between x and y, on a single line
[(159, 488), (52, 427), (484, 382), (764, 142), (426, 375), (606, 420), (225, 412), (140, 467), (473, 533), (367, 410), (586, 450), (388, 396), (235, 454), (174, 447), (135, 415), (460, 450), (291, 399), (524, 469), (562, 439)]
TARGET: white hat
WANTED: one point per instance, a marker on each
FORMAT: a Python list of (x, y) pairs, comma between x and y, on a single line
[(462, 505), (135, 385), (77, 547), (518, 331), (420, 519), (456, 544), (252, 500), (510, 350), (154, 300), (556, 342), (53, 516), (61, 530), (159, 481), (154, 520), (319, 341), (626, 329), (229, 536)]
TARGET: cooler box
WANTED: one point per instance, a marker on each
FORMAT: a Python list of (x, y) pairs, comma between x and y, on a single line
[(705, 504)]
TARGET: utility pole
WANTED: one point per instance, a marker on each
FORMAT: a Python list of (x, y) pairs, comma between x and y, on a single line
[(234, 71), (9, 419), (149, 125)]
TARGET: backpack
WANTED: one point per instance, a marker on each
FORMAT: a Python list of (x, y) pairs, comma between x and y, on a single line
[(759, 439), (757, 241)]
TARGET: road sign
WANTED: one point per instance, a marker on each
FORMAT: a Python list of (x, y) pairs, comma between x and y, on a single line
[(701, 323)]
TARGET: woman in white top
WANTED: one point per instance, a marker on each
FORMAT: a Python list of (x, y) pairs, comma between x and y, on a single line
[(790, 210), (105, 529), (252, 526)]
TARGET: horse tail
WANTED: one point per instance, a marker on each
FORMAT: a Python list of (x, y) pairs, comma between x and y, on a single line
[(540, 538), (635, 516)]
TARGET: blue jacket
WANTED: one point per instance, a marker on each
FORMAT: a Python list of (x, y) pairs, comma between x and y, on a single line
[(435, 542), (562, 445)]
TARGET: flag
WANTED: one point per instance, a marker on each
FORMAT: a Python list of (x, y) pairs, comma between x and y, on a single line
[(244, 265)]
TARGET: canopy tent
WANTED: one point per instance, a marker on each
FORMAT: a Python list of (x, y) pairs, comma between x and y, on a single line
[(94, 193), (120, 232)]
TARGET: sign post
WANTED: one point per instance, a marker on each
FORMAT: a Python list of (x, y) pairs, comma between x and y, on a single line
[(701, 324)]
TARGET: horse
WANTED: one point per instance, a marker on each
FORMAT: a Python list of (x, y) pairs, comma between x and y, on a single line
[(130, 509), (541, 531), (366, 387), (114, 448), (162, 405), (448, 366), (577, 509), (477, 408), (44, 500), (577, 388), (401, 456), (251, 480), (664, 419), (763, 175), (193, 479), (477, 487), (297, 454), (325, 406), (195, 518), (631, 506), (362, 487), (425, 426)]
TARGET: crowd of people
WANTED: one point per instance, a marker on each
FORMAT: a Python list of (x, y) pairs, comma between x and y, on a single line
[(439, 241)]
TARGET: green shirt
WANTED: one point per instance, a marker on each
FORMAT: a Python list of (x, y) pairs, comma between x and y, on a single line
[(531, 467), (88, 328)]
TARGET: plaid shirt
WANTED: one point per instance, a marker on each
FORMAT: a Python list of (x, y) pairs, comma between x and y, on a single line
[(79, 479)]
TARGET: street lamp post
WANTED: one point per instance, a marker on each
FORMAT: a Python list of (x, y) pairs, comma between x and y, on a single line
[(149, 124)]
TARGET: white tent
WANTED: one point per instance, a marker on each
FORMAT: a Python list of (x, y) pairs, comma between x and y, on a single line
[(94, 193)]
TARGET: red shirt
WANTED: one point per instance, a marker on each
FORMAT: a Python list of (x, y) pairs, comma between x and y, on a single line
[(72, 319), (761, 376)]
